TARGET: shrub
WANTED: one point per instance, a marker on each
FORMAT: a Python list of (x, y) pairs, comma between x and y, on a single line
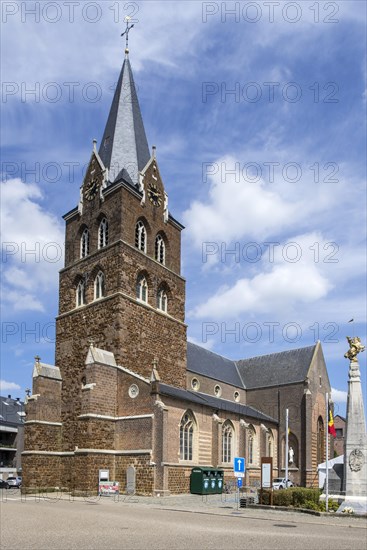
[(283, 497), (310, 505), (302, 494), (333, 505)]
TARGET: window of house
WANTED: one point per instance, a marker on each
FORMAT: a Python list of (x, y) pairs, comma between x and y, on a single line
[(162, 300), (80, 294), (142, 289), (227, 442), (84, 244), (186, 436), (103, 233), (141, 237), (160, 250), (339, 432), (99, 286)]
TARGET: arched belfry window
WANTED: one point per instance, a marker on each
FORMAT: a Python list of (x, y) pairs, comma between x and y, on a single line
[(84, 244), (187, 427), (160, 250), (141, 236), (142, 289), (227, 442), (80, 294), (99, 286), (162, 301), (103, 233)]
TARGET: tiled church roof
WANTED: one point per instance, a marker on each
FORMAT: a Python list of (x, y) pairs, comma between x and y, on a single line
[(212, 365), (275, 369), (215, 403)]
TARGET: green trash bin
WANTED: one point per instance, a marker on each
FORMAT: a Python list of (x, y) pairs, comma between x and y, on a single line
[(206, 481), (220, 481), (200, 481)]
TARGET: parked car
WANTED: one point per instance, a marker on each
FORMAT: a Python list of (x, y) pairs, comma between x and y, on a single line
[(282, 483), (14, 481), (3, 484)]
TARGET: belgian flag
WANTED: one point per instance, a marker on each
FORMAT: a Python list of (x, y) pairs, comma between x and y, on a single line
[(331, 427)]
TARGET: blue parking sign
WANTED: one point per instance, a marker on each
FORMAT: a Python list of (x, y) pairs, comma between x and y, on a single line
[(239, 464)]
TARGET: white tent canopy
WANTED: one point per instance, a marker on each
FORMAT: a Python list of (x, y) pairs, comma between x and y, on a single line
[(322, 468)]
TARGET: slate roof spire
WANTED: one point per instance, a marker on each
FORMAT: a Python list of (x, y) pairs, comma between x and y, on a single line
[(124, 148)]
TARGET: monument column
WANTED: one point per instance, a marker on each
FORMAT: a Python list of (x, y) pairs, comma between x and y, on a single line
[(355, 447)]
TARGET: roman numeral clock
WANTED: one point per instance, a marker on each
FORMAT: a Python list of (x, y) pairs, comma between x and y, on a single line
[(154, 195)]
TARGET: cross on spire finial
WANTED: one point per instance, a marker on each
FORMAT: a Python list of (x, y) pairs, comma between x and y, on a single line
[(126, 33)]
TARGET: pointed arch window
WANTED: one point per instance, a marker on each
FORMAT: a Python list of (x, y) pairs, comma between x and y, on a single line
[(84, 244), (80, 294), (162, 301), (99, 286), (251, 435), (186, 436), (160, 250), (142, 289), (320, 441), (227, 442), (141, 237), (103, 233), (269, 443)]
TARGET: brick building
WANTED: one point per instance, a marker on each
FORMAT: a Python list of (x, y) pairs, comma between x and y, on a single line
[(127, 388), (11, 436), (340, 428)]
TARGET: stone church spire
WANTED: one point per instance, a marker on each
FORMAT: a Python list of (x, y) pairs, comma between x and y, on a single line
[(124, 148)]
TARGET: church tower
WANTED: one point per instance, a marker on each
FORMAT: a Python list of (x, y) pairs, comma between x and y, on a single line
[(121, 287)]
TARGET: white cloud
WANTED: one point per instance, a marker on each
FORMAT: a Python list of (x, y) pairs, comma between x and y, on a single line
[(8, 386), (32, 246), (233, 207), (279, 286), (339, 396)]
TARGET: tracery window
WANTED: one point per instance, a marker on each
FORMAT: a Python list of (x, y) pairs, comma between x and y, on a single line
[(186, 436), (141, 236), (84, 244), (160, 250), (103, 233)]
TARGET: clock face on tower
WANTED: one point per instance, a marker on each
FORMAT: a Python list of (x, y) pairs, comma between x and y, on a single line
[(91, 189), (154, 195)]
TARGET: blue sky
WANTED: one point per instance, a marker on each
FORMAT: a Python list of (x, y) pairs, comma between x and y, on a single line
[(259, 123)]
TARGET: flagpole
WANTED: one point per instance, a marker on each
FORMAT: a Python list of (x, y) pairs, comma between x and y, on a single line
[(327, 454), (286, 448)]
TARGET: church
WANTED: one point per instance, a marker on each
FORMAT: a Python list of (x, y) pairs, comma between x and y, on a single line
[(128, 389)]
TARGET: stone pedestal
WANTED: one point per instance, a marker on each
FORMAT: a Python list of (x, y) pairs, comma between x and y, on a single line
[(355, 450)]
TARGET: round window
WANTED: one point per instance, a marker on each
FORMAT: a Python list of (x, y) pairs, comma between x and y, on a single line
[(217, 390), (236, 396), (133, 391), (195, 384)]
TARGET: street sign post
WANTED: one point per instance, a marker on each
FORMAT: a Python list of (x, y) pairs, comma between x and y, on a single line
[(239, 469), (239, 466)]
